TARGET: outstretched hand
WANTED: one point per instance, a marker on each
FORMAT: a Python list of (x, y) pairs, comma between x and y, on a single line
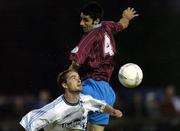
[(117, 113), (129, 13)]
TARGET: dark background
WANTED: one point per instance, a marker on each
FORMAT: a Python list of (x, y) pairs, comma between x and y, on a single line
[(37, 36)]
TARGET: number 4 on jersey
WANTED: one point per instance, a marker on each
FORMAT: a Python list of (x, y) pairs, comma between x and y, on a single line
[(108, 50)]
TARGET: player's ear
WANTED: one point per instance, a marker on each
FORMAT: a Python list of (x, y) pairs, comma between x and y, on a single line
[(97, 21), (64, 85)]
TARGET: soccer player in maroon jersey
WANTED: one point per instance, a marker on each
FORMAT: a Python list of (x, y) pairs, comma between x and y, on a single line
[(95, 53)]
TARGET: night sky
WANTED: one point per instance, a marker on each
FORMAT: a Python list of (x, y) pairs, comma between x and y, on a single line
[(37, 36)]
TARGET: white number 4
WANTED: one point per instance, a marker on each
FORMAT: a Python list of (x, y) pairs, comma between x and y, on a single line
[(108, 50)]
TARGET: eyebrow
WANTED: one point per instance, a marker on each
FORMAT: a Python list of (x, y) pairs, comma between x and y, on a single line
[(72, 76), (84, 16)]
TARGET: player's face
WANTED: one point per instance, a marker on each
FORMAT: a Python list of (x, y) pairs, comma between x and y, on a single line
[(73, 83), (86, 22)]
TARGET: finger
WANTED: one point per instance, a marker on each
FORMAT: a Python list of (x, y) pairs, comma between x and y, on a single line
[(120, 114), (132, 9), (134, 12), (136, 15)]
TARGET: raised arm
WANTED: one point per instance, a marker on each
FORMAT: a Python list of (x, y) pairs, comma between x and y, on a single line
[(114, 112), (93, 104), (127, 16)]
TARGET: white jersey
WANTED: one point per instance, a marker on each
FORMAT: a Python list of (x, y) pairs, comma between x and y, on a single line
[(61, 115)]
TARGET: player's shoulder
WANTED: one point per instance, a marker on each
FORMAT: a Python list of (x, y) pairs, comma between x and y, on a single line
[(85, 97), (57, 101), (107, 23), (59, 98)]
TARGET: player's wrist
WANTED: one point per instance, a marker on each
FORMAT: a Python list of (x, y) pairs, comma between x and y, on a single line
[(124, 22), (126, 18)]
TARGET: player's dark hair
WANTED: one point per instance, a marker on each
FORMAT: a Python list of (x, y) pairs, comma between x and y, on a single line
[(62, 77), (94, 10)]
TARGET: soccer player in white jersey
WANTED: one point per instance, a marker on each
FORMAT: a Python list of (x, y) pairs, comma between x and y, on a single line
[(69, 111)]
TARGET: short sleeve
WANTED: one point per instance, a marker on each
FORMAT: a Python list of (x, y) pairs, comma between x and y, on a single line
[(80, 53)]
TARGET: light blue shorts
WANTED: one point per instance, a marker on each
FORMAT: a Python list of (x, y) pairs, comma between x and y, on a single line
[(100, 90)]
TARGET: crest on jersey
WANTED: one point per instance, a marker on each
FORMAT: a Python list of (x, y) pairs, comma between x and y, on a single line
[(75, 50), (82, 110)]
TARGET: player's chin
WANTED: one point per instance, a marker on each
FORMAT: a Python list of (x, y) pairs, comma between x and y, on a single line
[(79, 86), (85, 29), (79, 89)]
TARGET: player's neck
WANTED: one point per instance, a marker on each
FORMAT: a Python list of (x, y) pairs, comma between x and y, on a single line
[(71, 98), (97, 26)]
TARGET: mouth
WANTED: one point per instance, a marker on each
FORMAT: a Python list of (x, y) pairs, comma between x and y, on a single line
[(84, 29), (79, 85)]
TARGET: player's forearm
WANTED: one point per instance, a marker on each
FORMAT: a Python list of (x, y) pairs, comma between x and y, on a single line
[(110, 110), (124, 22)]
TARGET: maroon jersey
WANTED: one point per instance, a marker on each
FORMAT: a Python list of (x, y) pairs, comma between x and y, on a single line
[(96, 51)]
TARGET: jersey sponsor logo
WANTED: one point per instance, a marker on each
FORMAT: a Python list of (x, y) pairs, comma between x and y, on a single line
[(75, 50), (108, 49), (75, 118), (74, 123)]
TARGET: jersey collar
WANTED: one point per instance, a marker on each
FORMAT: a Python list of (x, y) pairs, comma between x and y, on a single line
[(97, 26), (68, 103)]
